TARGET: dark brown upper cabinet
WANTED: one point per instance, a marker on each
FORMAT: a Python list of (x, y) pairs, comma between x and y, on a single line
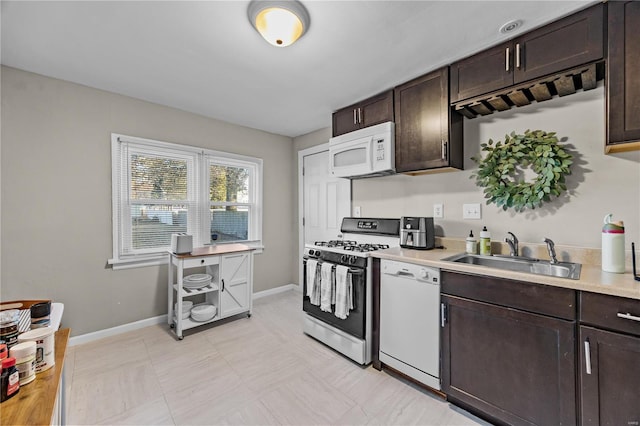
[(428, 133), (375, 110), (570, 42), (623, 83)]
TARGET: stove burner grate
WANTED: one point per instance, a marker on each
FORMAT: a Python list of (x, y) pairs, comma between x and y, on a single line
[(351, 245)]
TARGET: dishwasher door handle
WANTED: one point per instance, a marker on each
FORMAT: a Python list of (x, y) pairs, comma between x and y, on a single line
[(403, 274)]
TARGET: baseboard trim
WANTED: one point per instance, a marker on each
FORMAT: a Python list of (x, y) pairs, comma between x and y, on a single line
[(272, 291), (113, 331), (162, 319)]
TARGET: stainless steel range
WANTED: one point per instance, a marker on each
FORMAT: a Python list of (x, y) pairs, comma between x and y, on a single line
[(343, 320)]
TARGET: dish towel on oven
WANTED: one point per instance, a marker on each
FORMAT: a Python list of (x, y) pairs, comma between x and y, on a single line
[(313, 282), (344, 292), (327, 286)]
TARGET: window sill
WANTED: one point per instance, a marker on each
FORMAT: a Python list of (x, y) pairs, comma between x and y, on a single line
[(161, 259), (117, 264)]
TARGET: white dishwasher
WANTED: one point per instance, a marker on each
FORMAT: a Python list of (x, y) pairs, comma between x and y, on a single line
[(410, 320)]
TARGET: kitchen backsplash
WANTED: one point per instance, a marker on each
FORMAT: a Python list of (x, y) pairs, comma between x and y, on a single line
[(599, 184)]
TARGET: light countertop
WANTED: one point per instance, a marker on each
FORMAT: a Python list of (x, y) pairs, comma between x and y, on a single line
[(592, 278), (215, 250)]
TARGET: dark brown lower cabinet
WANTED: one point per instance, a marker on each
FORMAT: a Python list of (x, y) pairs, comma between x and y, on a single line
[(609, 377), (508, 365)]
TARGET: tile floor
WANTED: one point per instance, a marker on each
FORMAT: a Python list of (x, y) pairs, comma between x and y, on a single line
[(257, 371)]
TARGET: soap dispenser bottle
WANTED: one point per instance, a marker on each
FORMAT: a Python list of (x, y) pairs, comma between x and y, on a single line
[(471, 244), (485, 242)]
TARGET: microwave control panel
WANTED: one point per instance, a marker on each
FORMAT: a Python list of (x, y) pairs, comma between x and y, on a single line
[(380, 149)]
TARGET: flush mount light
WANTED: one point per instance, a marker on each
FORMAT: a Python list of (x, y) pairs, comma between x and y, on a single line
[(510, 26), (281, 23)]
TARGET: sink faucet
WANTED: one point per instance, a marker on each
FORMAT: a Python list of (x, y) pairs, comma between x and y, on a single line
[(551, 249), (513, 244)]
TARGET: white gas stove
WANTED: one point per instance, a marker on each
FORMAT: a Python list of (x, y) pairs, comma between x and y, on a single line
[(351, 335)]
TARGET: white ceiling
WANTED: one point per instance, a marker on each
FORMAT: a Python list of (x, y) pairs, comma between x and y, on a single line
[(206, 58)]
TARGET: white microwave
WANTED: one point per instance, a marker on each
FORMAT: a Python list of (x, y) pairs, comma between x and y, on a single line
[(363, 153)]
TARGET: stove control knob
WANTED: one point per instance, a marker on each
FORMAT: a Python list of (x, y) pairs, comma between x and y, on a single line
[(343, 258), (408, 226), (312, 252), (352, 260), (424, 274)]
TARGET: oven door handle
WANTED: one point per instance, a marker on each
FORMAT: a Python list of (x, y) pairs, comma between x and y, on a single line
[(353, 271)]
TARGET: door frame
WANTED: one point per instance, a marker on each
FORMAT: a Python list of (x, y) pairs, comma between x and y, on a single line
[(301, 154)]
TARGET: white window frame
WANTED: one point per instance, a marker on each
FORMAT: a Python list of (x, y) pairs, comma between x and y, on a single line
[(253, 182), (198, 223)]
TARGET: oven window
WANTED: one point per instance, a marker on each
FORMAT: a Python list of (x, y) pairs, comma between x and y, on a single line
[(350, 157), (354, 324)]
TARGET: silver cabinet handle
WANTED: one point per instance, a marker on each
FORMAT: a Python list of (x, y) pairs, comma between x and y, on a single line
[(506, 63), (518, 55), (587, 356), (443, 315), (355, 117), (628, 316), (444, 150), (360, 115)]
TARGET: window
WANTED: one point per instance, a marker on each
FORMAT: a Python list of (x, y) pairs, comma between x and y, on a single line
[(160, 189)]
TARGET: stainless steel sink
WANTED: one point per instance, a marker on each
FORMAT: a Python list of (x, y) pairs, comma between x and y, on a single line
[(521, 264)]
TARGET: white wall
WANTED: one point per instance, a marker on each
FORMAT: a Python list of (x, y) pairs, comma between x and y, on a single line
[(56, 197), (599, 184)]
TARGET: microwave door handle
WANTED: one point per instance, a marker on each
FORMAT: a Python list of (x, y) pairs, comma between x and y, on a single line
[(372, 153)]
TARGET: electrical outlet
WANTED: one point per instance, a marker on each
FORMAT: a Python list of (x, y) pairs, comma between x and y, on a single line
[(471, 211), (438, 210), (356, 211)]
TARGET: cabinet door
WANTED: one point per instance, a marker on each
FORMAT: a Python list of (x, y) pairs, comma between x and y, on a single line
[(345, 120), (569, 42), (623, 84), (235, 295), (482, 73), (609, 378), (376, 110), (422, 109), (514, 366)]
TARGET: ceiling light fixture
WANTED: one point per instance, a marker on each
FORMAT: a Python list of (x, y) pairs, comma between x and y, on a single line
[(281, 23)]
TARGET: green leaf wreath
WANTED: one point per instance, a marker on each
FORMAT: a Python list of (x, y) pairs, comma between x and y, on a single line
[(499, 169)]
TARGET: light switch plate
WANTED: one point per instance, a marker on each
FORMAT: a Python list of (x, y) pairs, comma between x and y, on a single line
[(438, 210), (471, 211), (356, 211)]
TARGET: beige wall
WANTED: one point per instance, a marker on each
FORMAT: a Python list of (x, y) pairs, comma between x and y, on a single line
[(56, 197), (599, 184)]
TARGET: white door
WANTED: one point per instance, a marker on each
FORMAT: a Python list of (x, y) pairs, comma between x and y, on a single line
[(327, 199), (323, 199)]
